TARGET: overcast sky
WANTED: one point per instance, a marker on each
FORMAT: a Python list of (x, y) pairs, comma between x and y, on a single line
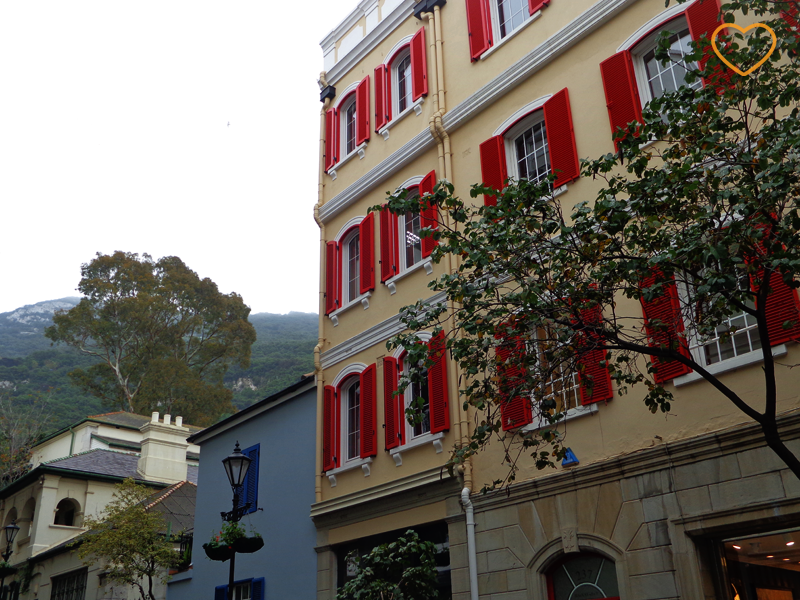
[(168, 127)]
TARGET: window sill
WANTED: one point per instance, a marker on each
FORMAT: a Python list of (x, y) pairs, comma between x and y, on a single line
[(534, 16), (572, 413), (363, 299), (416, 107), (391, 283), (68, 527), (364, 463), (358, 151), (731, 364), (428, 438)]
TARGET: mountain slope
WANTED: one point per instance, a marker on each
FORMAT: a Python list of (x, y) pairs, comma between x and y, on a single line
[(30, 367)]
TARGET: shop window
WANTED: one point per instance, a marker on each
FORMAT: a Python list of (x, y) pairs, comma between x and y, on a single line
[(764, 566), (585, 576)]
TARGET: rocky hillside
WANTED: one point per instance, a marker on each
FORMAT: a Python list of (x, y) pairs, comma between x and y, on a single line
[(31, 368)]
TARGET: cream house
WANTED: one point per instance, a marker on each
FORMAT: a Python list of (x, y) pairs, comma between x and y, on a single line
[(479, 90), (50, 501)]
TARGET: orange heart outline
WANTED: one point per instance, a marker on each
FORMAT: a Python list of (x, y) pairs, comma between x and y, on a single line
[(744, 30)]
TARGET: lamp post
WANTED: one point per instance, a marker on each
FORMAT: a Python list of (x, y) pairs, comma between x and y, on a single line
[(11, 532), (236, 465)]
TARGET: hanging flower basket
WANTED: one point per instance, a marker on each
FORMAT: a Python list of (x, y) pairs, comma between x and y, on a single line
[(248, 545), (221, 553)]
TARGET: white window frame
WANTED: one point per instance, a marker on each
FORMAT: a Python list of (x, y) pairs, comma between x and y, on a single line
[(510, 136), (344, 248), (396, 54), (344, 234), (352, 381), (402, 232), (696, 348), (494, 8), (239, 590), (426, 438), (395, 82), (647, 44), (347, 104)]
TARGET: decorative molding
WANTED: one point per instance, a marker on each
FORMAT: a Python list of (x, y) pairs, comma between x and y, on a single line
[(377, 175), (522, 112), (385, 490), (388, 24), (396, 48), (392, 282), (654, 23), (535, 60), (347, 227), (363, 299), (369, 337), (434, 439), (351, 369)]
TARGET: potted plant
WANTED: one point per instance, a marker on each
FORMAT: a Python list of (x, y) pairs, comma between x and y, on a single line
[(249, 544), (221, 545)]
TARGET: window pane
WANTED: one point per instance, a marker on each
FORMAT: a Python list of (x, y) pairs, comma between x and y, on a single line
[(420, 390), (412, 239), (511, 14), (586, 576), (669, 76), (533, 157), (354, 421), (350, 128), (353, 268), (404, 84)]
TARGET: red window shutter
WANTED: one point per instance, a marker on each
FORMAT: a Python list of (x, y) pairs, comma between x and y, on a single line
[(331, 277), (479, 27), (534, 5), (703, 17), (437, 384), (389, 250), (782, 306), (622, 94), (369, 412), (331, 137), (390, 401), (362, 111), (382, 97), (561, 138), (429, 216), (493, 166), (593, 377), (366, 241), (419, 66), (666, 309), (514, 412), (789, 14), (330, 432)]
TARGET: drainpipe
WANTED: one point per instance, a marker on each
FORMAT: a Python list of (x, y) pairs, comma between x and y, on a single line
[(471, 555), (320, 334), (434, 94)]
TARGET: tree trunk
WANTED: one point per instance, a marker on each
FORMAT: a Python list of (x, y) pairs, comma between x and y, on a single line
[(773, 439)]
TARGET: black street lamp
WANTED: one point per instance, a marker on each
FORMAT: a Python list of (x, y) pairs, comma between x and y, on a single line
[(236, 465), (11, 532)]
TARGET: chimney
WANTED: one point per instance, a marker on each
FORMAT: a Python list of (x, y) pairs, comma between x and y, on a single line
[(163, 450)]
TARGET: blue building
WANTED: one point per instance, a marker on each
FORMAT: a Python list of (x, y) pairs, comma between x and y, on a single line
[(278, 434)]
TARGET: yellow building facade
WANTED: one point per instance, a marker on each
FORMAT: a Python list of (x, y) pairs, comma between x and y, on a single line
[(481, 90)]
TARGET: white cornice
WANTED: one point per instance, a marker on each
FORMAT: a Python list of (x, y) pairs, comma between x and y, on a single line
[(384, 490), (376, 334), (377, 175), (535, 60), (372, 39)]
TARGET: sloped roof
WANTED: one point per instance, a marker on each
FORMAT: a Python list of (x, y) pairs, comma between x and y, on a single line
[(177, 504), (105, 462), (129, 420)]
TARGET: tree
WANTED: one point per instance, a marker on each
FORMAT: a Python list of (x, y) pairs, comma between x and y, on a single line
[(130, 540), (699, 226), (163, 337), (401, 570), (22, 423)]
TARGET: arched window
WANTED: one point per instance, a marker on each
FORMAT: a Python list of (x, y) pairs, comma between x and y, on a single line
[(350, 405), (66, 512), (351, 261), (348, 126), (350, 266), (26, 520), (416, 396), (583, 576), (401, 81)]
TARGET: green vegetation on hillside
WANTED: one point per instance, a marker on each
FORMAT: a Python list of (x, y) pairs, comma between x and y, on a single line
[(282, 353)]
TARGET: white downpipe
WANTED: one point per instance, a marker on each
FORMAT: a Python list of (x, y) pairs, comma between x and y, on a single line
[(472, 557)]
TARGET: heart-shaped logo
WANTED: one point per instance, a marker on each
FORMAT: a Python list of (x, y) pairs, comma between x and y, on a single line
[(744, 30)]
